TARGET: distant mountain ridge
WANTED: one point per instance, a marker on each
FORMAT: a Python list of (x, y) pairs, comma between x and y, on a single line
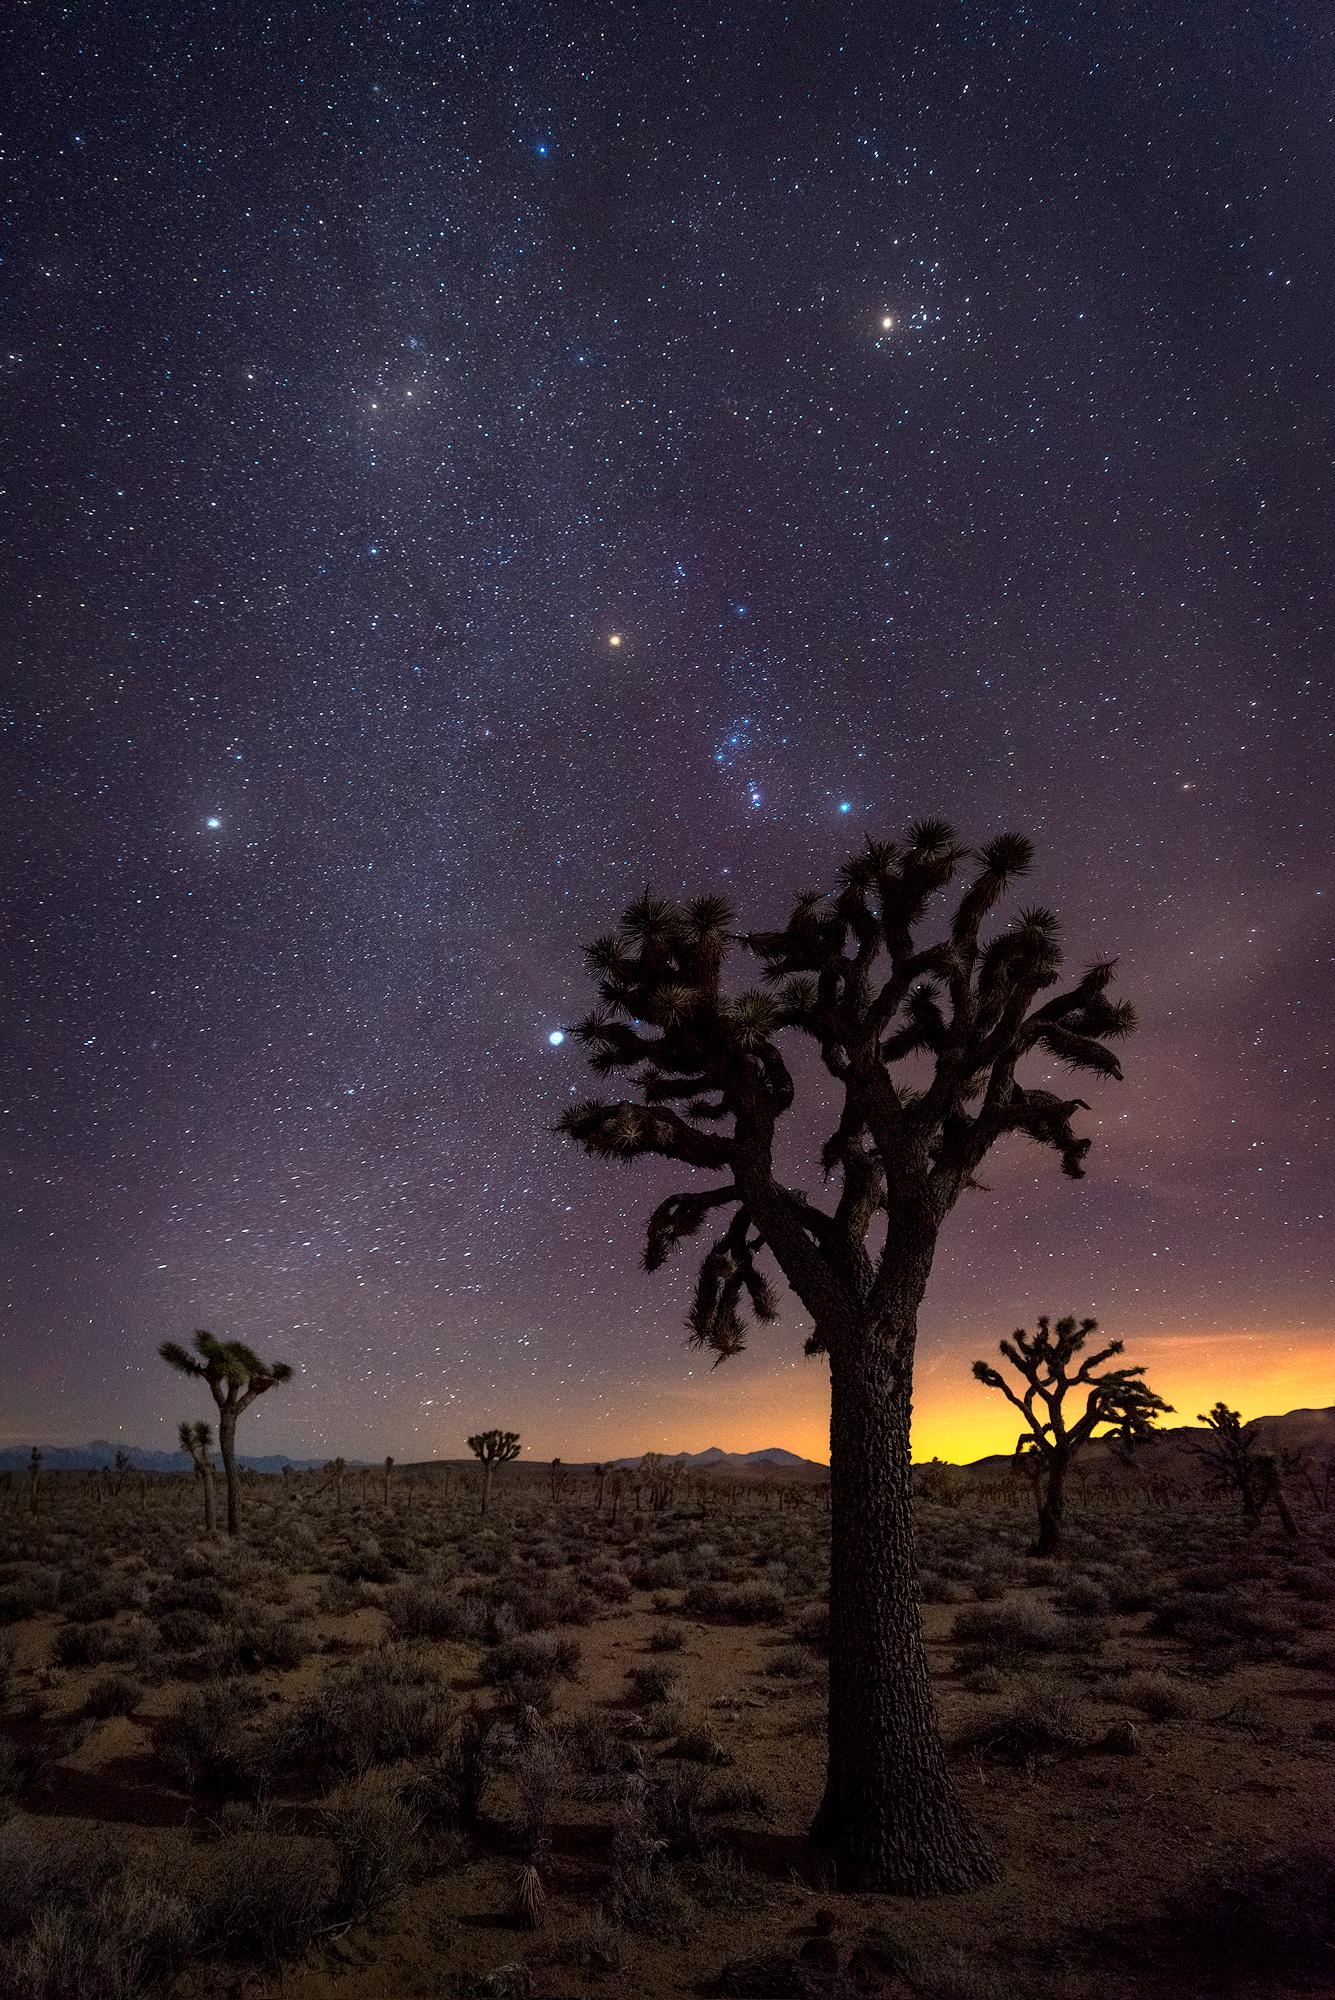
[(101, 1453), (714, 1458)]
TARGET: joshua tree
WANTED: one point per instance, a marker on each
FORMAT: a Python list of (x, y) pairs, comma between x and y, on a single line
[(599, 1482), (1234, 1453), (493, 1448), (389, 1470), (1117, 1400), (34, 1478), (236, 1376), (197, 1444), (710, 1087), (556, 1480)]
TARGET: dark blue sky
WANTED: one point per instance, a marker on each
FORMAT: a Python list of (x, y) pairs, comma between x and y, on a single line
[(369, 368)]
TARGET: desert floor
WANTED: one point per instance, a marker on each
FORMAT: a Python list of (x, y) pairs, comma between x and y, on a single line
[(371, 1754)]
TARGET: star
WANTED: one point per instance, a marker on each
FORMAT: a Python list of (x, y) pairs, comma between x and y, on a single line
[(614, 638), (213, 823), (556, 1037)]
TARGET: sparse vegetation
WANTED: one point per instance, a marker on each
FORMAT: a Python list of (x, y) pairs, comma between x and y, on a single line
[(417, 1723)]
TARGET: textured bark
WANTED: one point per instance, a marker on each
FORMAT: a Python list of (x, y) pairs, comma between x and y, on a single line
[(227, 1451), (1052, 1509), (890, 1812)]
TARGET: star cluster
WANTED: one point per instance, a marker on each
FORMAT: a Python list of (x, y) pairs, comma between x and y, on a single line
[(464, 463)]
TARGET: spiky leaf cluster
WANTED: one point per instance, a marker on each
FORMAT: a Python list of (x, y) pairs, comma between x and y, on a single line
[(494, 1447), (924, 1038), (234, 1372)]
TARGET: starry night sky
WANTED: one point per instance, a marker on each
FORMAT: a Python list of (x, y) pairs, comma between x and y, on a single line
[(936, 402)]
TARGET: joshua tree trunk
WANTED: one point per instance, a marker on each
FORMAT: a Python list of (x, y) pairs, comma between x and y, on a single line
[(1051, 1507), (210, 1504), (890, 1810), (486, 1486), (227, 1452)]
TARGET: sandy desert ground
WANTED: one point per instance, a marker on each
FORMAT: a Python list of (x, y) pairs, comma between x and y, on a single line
[(374, 1752)]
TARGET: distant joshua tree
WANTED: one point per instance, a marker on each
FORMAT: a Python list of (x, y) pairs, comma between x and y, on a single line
[(1239, 1464), (493, 1448), (709, 1087), (389, 1472), (197, 1444), (236, 1376), (34, 1478), (1126, 1408)]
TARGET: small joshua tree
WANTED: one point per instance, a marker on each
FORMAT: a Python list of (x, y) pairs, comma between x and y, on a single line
[(34, 1478), (1118, 1402), (389, 1472), (708, 1086), (1239, 1464), (236, 1376), (197, 1444), (493, 1448)]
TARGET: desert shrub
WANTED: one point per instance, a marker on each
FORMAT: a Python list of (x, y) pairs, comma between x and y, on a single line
[(590, 1744), (379, 1709), (595, 1945), (85, 1645), (428, 1611), (667, 1639), (27, 1590), (113, 1694), (1084, 1598), (737, 1795), (609, 1586), (532, 1656), (1269, 1918), (259, 1894), (700, 1746), (82, 1918), (104, 1600), (720, 1880), (206, 1743), (338, 1597), (1005, 1635), (203, 1594), (663, 1573), (771, 1976), (936, 1589), (252, 1638), (789, 1663), (446, 1797), (651, 1684), (753, 1603), (541, 1772), (1043, 1723), (376, 1840), (1158, 1697), (813, 1628)]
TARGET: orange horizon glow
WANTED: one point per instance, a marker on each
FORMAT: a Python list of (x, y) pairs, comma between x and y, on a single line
[(748, 1405)]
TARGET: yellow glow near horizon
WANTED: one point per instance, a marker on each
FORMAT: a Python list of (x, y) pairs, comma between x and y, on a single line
[(765, 1400)]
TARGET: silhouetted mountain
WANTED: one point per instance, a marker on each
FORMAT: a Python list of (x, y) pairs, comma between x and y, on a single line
[(99, 1453), (715, 1459), (1171, 1451)]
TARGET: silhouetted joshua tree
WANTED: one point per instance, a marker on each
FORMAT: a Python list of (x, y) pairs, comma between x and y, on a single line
[(34, 1478), (493, 1448), (712, 1086), (197, 1444), (1118, 1400), (1240, 1464), (236, 1376)]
